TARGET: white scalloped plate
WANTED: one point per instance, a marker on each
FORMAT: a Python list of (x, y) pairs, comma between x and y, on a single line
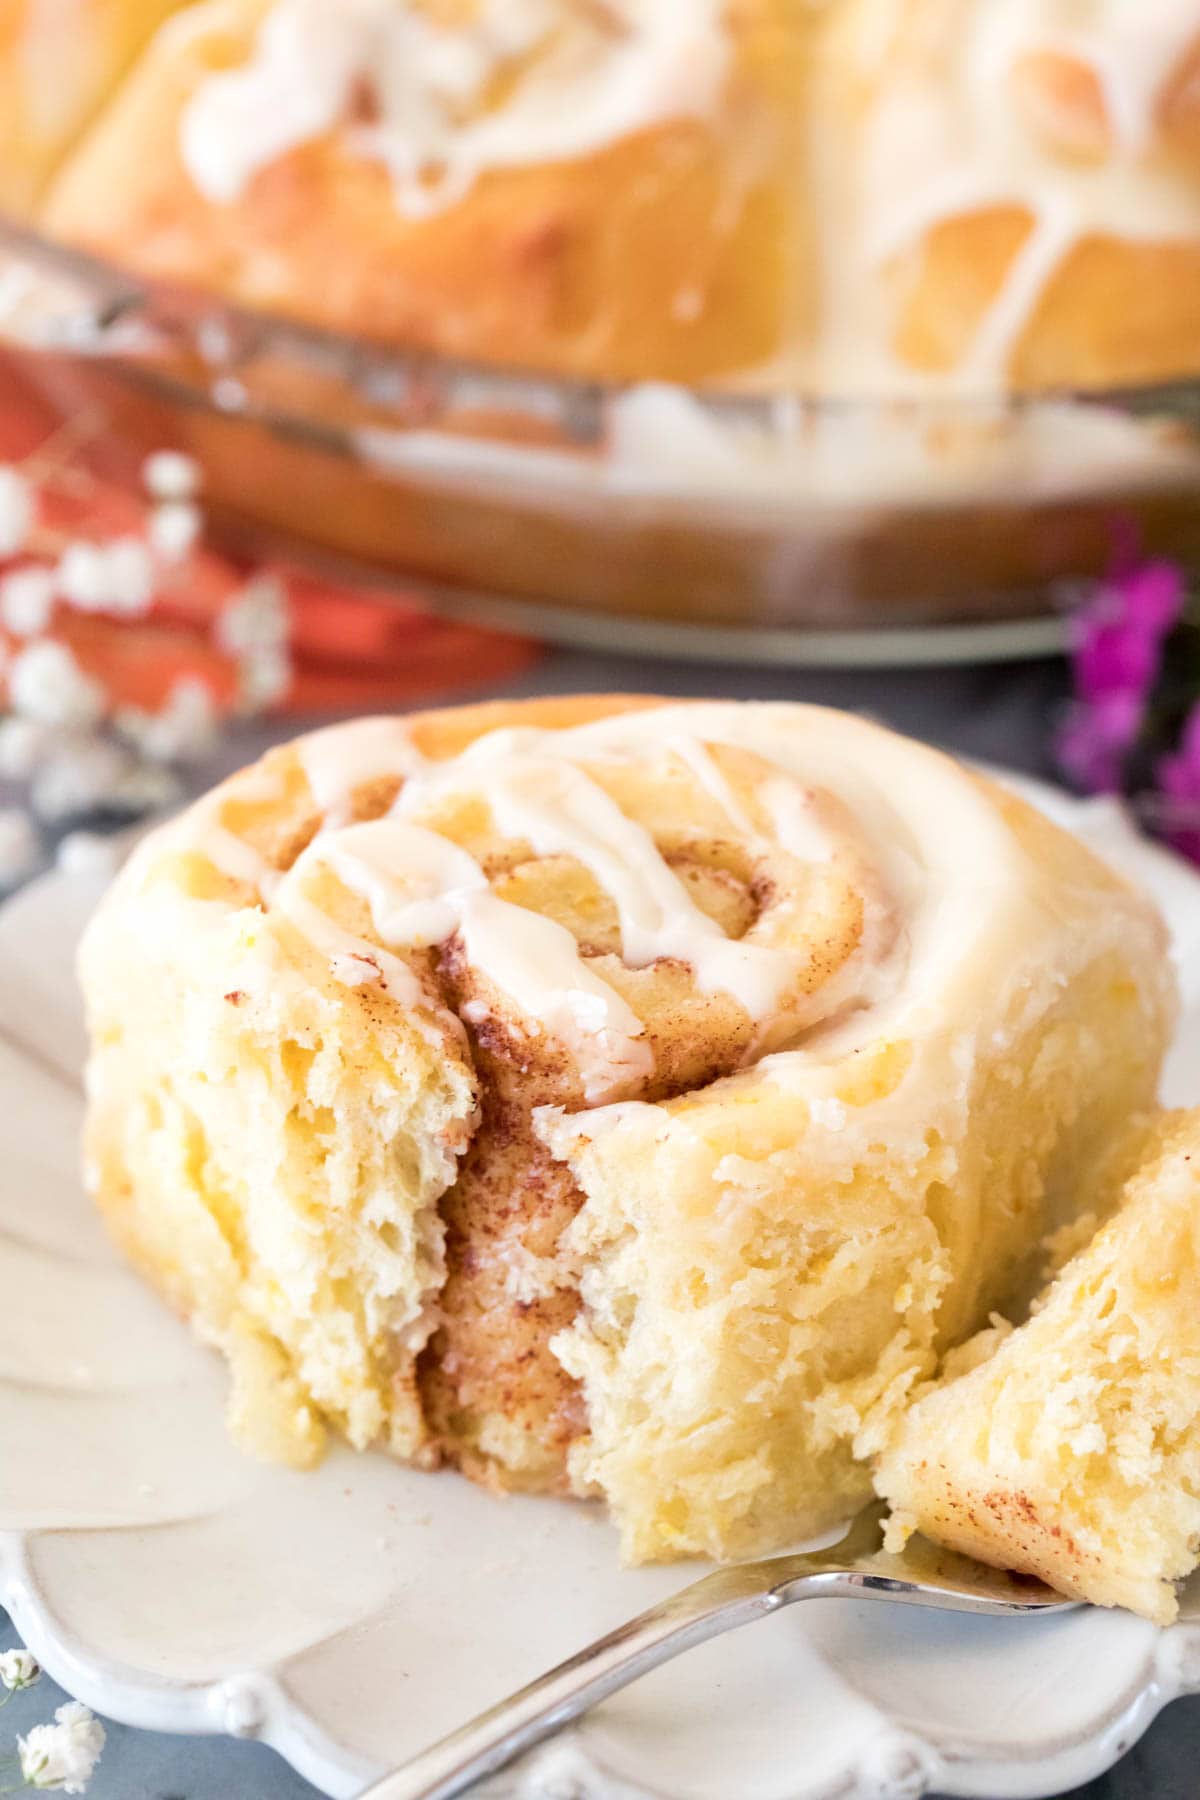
[(352, 1615)]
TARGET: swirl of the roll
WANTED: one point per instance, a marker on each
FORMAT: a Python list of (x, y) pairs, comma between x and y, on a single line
[(608, 1096)]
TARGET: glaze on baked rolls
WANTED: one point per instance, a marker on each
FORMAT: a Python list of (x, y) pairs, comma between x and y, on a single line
[(868, 196), (1026, 186), (608, 1096), (578, 185)]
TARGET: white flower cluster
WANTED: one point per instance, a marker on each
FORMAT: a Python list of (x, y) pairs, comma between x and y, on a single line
[(27, 600), (254, 629), (18, 1670), (62, 736), (88, 853), (62, 1757), (172, 481), (46, 686), (117, 577), (184, 731)]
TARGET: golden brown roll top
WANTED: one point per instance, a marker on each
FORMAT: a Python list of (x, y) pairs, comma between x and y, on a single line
[(601, 187), (1030, 190), (866, 194), (608, 1096)]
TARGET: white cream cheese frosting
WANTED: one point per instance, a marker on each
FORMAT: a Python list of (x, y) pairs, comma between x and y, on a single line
[(953, 132), (570, 87), (757, 1046)]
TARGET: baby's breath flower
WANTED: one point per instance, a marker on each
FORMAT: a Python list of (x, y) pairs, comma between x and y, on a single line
[(82, 774), (18, 1670), (146, 789), (173, 529), (26, 600), (254, 629), (83, 575), (116, 577), (185, 730), (257, 619), (85, 773), (62, 1756), (264, 677), (130, 576), (171, 475), (45, 683)]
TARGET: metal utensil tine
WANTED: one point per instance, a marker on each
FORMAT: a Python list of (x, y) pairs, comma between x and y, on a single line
[(717, 1603)]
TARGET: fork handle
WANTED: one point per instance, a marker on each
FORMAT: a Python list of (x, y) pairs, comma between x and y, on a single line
[(717, 1603)]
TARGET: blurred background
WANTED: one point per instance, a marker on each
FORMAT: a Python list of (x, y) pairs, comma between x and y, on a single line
[(360, 354), (353, 353)]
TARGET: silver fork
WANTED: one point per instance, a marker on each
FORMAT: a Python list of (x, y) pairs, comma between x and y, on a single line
[(854, 1568)]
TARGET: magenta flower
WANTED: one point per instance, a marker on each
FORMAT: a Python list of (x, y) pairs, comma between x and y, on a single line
[(1179, 781), (1095, 739), (1117, 647), (1119, 637)]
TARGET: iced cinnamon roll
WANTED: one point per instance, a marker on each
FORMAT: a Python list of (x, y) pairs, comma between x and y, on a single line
[(1025, 189), (605, 1096), (588, 186), (875, 196)]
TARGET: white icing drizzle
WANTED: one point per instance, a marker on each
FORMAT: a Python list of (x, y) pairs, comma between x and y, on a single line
[(699, 759), (511, 83), (1053, 237), (234, 857), (1134, 50), (355, 970), (572, 78), (336, 761), (796, 827), (539, 795), (820, 800), (203, 828), (422, 889), (325, 935), (947, 138)]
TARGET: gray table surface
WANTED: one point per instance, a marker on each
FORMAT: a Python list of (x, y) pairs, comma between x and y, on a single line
[(1002, 714)]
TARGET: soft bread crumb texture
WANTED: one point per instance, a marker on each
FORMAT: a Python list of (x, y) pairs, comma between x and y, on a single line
[(1071, 1451), (763, 1295), (271, 1145), (402, 1220)]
